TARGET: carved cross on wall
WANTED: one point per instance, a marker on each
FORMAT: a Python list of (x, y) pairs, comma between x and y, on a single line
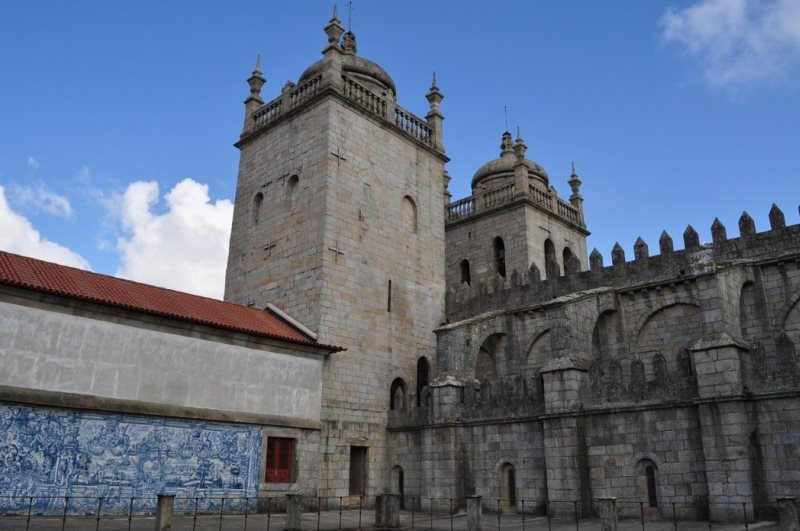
[(268, 247), (338, 155), (336, 252)]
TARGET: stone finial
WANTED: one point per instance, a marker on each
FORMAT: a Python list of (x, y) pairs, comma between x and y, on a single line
[(776, 218), (747, 226), (434, 117), (718, 232), (533, 274), (617, 254), (665, 243), (640, 249), (334, 29), (519, 146), (506, 145), (256, 80), (691, 239), (595, 260), (349, 43), (576, 199), (434, 96)]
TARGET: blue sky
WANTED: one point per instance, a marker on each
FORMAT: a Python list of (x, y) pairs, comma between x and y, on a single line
[(117, 119)]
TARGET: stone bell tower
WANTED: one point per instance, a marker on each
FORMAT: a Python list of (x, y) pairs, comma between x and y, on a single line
[(339, 221)]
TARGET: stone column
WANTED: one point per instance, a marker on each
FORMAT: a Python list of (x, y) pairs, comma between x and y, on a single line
[(473, 513), (787, 508), (294, 512), (608, 513), (164, 509), (387, 511)]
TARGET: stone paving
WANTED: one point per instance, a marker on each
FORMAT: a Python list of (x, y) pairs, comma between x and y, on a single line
[(329, 520)]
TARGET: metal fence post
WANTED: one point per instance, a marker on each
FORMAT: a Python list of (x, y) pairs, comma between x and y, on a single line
[(523, 514), (30, 507), (744, 514), (221, 510), (130, 514), (269, 511), (499, 512), (99, 508), (549, 521), (360, 503), (341, 499), (246, 507), (675, 518), (412, 512), (64, 518), (194, 519), (319, 510), (575, 504), (431, 513)]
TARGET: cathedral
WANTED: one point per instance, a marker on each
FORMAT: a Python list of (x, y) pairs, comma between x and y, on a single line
[(379, 336)]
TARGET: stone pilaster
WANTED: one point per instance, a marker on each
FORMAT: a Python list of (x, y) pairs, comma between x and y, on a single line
[(724, 424), (564, 438), (446, 396)]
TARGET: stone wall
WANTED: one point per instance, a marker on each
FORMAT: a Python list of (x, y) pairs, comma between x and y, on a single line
[(683, 364), (110, 357)]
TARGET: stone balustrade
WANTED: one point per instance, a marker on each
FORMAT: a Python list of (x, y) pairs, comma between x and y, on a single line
[(460, 209), (410, 124), (267, 114), (383, 108), (502, 195), (304, 92), (364, 98)]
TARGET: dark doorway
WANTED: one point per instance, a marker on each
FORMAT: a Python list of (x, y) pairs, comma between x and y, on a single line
[(358, 470), (422, 378)]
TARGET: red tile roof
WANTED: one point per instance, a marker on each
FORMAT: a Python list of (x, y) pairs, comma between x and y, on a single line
[(47, 277)]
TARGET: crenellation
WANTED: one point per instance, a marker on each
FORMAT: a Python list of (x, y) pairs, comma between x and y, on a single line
[(718, 232), (747, 227), (691, 240), (776, 218)]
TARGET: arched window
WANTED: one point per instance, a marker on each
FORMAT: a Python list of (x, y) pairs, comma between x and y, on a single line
[(397, 394), (500, 256), (647, 471), (291, 188), (551, 269), (409, 214), (257, 200), (465, 276), (423, 370)]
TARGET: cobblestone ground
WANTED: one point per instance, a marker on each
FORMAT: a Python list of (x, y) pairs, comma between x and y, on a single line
[(330, 520)]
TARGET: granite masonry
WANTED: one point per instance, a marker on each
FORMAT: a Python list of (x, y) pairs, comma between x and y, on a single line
[(487, 352), (489, 359)]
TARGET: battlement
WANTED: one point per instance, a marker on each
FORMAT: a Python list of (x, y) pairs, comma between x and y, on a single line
[(526, 289)]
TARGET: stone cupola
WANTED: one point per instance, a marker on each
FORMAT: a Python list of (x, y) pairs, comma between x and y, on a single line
[(500, 171)]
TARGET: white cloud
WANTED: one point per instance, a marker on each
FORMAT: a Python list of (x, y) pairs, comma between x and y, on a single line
[(40, 198), (185, 248), (738, 42), (18, 236), (33, 163)]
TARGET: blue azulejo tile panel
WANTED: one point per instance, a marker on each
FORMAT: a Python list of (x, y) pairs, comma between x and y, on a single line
[(49, 454)]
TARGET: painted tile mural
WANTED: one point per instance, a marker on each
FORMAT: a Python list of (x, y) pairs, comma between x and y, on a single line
[(52, 453)]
